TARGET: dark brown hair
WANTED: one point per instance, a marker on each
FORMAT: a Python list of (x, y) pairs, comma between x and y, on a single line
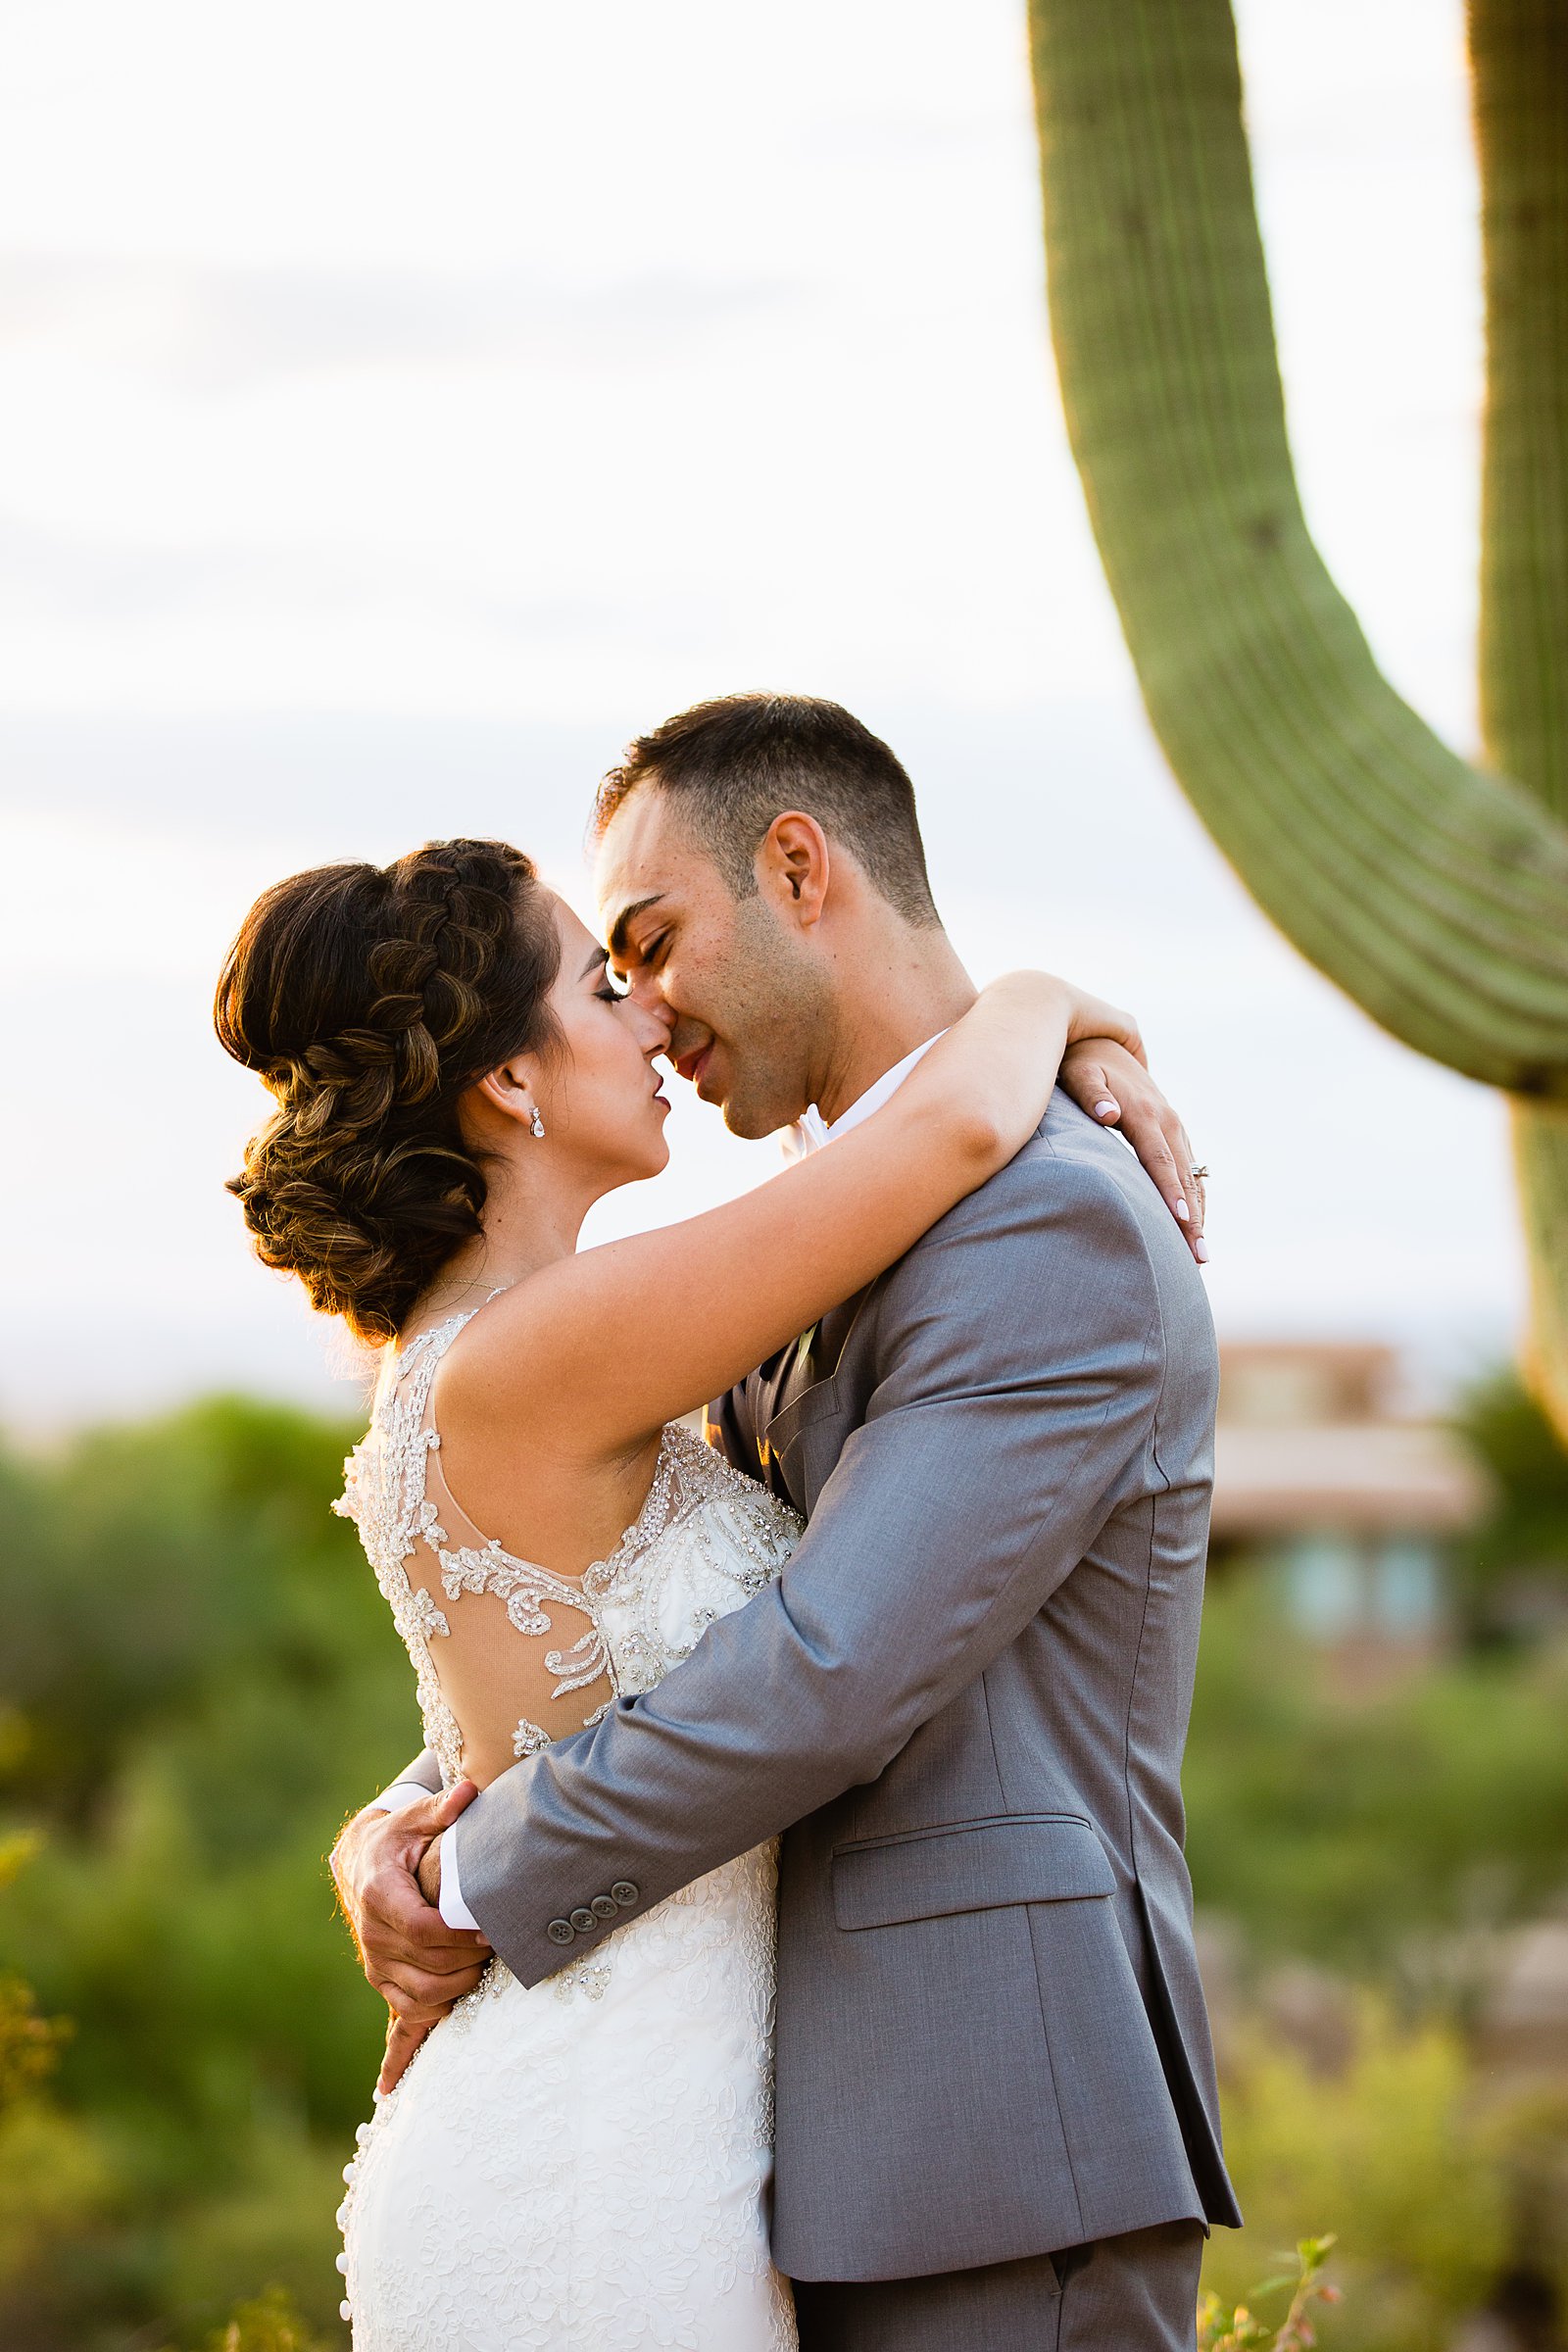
[(369, 997), (735, 763)]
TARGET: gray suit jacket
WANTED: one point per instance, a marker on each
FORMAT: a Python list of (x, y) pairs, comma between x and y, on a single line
[(964, 1704)]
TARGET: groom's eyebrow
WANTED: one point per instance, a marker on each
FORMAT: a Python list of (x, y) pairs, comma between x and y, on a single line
[(625, 918)]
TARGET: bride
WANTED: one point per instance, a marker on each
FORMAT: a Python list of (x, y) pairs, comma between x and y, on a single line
[(585, 2163)]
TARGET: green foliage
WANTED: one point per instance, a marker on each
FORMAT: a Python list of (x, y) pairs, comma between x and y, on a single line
[(64, 2185), (203, 1679), (152, 1562), (29, 2043), (1241, 2329), (268, 2324), (1395, 2145), (55, 2180), (1514, 1566), (1371, 1834)]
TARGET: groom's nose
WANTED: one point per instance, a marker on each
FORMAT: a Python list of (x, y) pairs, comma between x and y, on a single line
[(635, 978), (645, 990), (655, 1023)]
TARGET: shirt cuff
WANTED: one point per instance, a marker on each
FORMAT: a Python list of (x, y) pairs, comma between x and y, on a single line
[(454, 1910), (401, 1793)]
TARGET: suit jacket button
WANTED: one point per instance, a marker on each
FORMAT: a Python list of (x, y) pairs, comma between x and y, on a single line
[(604, 1907), (583, 1921), (561, 1930), (624, 1894)]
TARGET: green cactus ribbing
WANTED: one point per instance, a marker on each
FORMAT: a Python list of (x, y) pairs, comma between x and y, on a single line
[(1435, 894), (1519, 70), (1519, 78)]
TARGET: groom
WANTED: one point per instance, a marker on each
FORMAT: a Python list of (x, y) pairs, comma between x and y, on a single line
[(969, 1693)]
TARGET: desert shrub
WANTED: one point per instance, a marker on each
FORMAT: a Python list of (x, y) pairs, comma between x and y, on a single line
[(1299, 2292), (1398, 2148), (269, 2323)]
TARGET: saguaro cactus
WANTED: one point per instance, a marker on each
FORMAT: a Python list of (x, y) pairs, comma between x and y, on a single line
[(1433, 892), (1519, 72)]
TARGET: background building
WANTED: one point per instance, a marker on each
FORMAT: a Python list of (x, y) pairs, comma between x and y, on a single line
[(1357, 1502)]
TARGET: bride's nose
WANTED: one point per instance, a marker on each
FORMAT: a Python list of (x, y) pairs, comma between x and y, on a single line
[(655, 1024)]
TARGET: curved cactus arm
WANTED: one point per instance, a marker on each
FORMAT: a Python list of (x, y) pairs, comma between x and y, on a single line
[(1519, 85), (1519, 81), (1436, 895)]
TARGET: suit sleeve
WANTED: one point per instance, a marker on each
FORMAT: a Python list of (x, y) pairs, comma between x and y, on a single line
[(1019, 1364)]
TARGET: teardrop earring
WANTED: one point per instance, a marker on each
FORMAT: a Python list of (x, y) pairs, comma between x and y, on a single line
[(537, 1124)]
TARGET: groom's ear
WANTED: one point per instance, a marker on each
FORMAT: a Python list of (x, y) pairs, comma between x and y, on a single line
[(794, 868)]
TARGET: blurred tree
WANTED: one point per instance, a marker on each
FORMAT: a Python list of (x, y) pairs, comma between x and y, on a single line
[(56, 2184), (29, 2043), (199, 1677), (1387, 1840), (1435, 894), (1513, 1568)]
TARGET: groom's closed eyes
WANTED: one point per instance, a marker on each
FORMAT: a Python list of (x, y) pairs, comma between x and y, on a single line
[(637, 928), (639, 940)]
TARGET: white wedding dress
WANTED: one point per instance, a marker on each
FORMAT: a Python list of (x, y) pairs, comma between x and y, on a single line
[(581, 2165)]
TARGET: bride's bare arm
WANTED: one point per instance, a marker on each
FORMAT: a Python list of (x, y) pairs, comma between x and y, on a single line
[(599, 1350)]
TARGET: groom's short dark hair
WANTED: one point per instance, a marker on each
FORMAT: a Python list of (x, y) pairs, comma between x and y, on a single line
[(736, 762)]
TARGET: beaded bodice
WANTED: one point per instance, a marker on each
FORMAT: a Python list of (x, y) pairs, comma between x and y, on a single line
[(703, 1542)]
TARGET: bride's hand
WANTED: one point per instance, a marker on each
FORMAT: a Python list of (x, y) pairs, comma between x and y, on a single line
[(1105, 1071), (1105, 1076)]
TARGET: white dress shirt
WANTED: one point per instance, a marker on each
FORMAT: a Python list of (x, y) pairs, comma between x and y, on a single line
[(809, 1134), (812, 1131)]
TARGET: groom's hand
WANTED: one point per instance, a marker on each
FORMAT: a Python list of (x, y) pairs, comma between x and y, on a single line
[(417, 1964)]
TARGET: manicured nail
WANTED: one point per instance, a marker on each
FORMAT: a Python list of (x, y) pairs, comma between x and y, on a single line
[(1108, 1110), (1184, 1212), (1200, 1250)]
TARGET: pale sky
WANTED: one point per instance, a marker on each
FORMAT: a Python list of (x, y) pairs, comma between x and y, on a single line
[(400, 408)]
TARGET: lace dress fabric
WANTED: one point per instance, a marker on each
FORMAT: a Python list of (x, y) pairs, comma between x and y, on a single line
[(581, 2165)]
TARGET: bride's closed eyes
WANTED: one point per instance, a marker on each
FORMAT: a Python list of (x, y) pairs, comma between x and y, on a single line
[(606, 991)]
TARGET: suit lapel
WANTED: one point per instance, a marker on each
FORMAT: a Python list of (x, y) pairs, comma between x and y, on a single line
[(799, 1408), (765, 1419), (779, 1383)]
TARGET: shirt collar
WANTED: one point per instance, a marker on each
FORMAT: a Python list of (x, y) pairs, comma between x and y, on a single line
[(812, 1131)]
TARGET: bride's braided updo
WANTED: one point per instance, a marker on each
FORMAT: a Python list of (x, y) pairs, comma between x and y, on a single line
[(369, 999)]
